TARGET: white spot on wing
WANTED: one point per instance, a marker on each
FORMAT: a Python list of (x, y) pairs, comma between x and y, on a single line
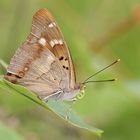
[(42, 41), (56, 42), (52, 43), (26, 68), (52, 24), (50, 59), (60, 42)]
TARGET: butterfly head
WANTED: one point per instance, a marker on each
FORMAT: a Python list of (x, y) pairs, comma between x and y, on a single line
[(81, 88)]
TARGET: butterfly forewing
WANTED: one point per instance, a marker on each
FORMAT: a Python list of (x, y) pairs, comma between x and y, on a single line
[(44, 26), (43, 63)]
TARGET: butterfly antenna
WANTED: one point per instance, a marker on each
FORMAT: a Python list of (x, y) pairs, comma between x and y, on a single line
[(101, 71), (108, 80)]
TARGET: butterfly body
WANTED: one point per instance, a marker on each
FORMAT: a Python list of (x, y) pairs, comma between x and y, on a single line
[(43, 63)]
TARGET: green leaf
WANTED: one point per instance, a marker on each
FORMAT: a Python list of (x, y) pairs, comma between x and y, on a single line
[(61, 109), (8, 134), (58, 107), (3, 63)]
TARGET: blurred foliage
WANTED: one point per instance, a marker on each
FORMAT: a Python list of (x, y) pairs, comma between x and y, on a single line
[(97, 32), (7, 133)]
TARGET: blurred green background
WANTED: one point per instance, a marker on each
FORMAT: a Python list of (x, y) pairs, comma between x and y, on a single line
[(97, 32)]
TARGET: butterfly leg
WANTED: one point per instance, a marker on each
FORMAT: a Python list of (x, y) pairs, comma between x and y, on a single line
[(54, 96)]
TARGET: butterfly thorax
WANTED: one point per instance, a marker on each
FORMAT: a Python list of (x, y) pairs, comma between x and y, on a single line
[(74, 94)]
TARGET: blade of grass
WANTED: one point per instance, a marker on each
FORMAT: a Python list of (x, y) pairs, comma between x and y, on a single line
[(3, 63)]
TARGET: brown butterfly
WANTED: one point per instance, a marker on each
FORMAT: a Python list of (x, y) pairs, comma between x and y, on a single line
[(43, 63)]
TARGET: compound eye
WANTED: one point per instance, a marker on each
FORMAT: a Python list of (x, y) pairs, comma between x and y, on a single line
[(80, 96)]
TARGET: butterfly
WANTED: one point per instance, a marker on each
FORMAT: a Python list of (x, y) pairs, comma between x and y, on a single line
[(43, 63)]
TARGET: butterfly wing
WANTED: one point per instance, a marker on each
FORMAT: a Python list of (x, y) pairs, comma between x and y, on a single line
[(45, 26), (43, 63)]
